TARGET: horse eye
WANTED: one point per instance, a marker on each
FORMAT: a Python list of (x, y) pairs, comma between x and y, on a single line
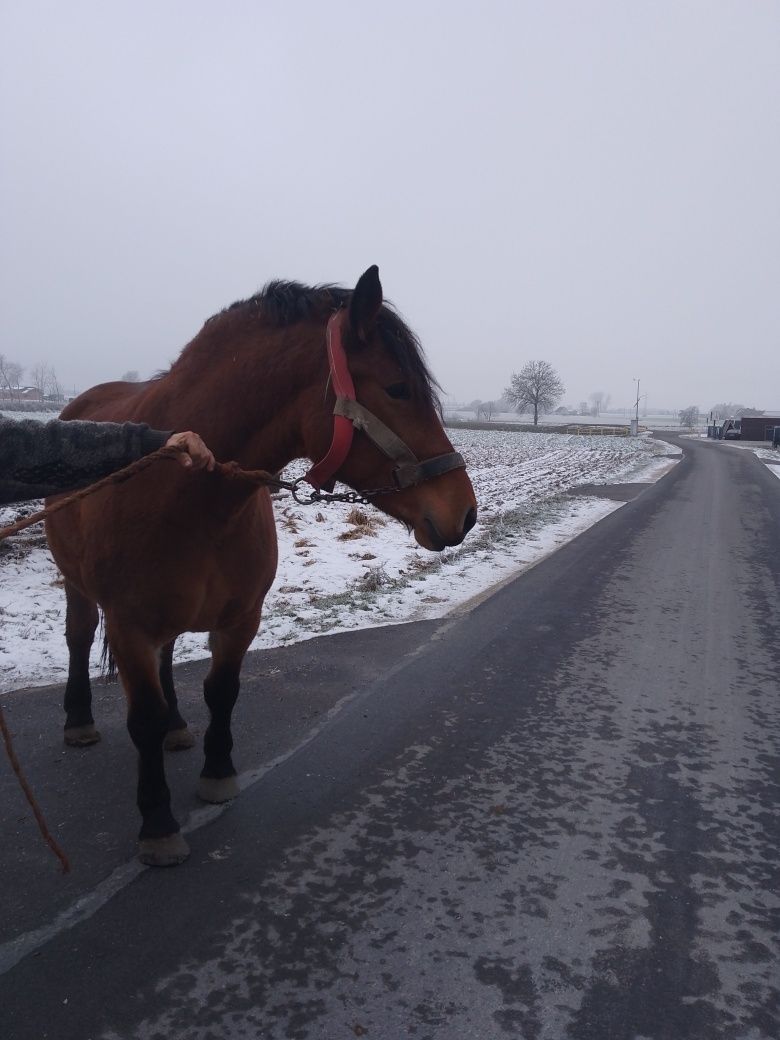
[(399, 391)]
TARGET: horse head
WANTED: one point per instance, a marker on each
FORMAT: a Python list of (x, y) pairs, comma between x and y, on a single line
[(400, 456)]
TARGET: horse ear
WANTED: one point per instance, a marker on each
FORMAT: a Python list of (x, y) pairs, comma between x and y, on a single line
[(365, 303)]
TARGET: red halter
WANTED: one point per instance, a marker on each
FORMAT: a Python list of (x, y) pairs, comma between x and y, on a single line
[(321, 475), (349, 416)]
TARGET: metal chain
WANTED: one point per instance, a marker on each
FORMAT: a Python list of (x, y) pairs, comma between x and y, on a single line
[(314, 497), (231, 469)]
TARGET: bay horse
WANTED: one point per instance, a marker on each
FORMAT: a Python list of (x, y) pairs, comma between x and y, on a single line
[(170, 551)]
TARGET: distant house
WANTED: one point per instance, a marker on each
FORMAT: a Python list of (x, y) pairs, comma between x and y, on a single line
[(20, 393), (758, 427)]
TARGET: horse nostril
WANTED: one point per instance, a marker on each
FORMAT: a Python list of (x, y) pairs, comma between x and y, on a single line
[(469, 520)]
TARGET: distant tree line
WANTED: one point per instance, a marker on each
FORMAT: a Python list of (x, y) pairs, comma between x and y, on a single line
[(42, 378), (689, 417), (537, 388), (730, 410)]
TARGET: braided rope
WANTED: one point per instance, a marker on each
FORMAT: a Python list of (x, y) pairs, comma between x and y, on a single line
[(48, 837), (228, 469)]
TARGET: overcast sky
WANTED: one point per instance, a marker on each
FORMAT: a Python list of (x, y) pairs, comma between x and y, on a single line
[(596, 184)]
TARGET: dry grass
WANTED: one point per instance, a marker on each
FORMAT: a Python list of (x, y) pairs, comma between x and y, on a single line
[(355, 532), (363, 524), (289, 523), (373, 580)]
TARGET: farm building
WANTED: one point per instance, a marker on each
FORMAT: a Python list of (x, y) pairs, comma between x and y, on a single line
[(758, 427), (20, 393)]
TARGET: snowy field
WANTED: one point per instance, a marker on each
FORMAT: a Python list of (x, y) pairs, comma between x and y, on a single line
[(343, 567)]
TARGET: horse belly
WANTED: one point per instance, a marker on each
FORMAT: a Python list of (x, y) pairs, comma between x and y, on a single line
[(168, 562), (237, 580)]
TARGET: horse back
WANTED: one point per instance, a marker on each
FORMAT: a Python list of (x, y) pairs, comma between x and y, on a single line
[(107, 402)]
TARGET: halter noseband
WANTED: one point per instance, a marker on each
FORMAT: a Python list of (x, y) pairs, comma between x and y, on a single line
[(349, 415)]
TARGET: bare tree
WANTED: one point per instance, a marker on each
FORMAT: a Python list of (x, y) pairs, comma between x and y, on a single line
[(10, 374), (44, 378), (130, 377), (600, 402), (55, 387), (535, 386), (39, 377), (689, 417), (486, 410)]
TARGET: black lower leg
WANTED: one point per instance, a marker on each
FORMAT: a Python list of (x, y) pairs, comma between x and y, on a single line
[(221, 690), (147, 723), (81, 620), (78, 699)]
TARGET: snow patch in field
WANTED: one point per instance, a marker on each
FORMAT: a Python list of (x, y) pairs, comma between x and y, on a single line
[(343, 568)]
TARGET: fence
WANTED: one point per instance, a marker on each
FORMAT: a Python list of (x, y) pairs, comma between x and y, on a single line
[(31, 406), (601, 431)]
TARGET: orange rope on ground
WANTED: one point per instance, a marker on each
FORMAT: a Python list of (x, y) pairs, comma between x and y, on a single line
[(39, 817)]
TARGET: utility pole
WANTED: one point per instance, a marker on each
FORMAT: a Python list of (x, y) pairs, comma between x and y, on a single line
[(635, 422)]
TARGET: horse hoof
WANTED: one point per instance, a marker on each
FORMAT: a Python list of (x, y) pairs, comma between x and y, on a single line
[(179, 739), (169, 851), (217, 791), (81, 736)]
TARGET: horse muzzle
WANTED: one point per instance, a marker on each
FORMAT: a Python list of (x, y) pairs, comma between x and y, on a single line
[(435, 537)]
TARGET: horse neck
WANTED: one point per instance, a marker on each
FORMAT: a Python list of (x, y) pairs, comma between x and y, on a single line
[(253, 405)]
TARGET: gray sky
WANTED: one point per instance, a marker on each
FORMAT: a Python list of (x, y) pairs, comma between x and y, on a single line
[(592, 183)]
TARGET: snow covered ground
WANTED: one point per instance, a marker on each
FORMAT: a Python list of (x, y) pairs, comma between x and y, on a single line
[(343, 567), (771, 458)]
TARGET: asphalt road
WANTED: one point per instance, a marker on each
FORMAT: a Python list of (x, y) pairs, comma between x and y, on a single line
[(553, 817)]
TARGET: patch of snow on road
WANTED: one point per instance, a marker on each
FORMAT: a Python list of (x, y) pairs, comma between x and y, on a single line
[(344, 568)]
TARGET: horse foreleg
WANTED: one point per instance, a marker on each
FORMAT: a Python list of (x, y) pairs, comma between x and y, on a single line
[(218, 778), (179, 736), (81, 619), (160, 843)]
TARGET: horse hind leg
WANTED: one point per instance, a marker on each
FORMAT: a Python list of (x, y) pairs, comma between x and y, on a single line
[(81, 619), (217, 781), (160, 841), (179, 736)]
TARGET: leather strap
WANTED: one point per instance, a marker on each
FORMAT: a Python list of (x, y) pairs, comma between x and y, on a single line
[(322, 475), (384, 438), (349, 415), (411, 475)]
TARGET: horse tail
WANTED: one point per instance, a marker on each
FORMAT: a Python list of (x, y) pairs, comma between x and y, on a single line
[(108, 669)]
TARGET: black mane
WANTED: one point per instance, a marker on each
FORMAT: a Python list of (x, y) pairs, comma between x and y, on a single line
[(282, 303)]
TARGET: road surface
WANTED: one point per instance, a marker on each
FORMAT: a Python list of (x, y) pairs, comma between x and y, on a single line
[(553, 817)]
